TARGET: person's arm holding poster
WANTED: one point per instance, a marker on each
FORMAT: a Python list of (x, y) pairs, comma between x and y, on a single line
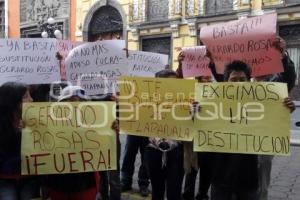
[(289, 104), (62, 68), (289, 74), (212, 67), (180, 58)]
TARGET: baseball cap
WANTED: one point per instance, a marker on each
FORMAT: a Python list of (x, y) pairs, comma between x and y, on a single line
[(71, 91)]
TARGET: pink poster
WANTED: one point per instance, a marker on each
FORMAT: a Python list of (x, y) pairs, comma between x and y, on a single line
[(63, 48), (249, 40), (195, 62)]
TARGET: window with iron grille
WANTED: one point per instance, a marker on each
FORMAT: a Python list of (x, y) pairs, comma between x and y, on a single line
[(2, 19)]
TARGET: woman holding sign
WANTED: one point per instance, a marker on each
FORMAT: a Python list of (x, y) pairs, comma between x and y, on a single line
[(13, 186)]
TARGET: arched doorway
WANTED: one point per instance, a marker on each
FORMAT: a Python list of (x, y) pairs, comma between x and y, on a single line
[(103, 19)]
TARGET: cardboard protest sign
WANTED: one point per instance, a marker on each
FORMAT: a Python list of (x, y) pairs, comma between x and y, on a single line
[(146, 64), (249, 40), (68, 137), (156, 107), (95, 66), (195, 62), (245, 118), (30, 61), (64, 47)]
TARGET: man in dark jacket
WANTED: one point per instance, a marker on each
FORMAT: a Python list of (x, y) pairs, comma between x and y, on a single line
[(289, 77), (237, 175)]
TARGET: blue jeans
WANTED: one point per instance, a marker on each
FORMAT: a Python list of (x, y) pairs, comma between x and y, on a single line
[(24, 189)]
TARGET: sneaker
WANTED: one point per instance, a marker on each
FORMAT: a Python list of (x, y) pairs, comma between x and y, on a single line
[(144, 191), (126, 188)]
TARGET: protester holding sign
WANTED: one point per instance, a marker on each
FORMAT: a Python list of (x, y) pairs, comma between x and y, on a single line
[(164, 159), (202, 163), (73, 186), (237, 174), (194, 161), (289, 77), (13, 186)]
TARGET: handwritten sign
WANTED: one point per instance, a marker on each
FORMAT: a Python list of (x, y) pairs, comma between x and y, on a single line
[(68, 138), (156, 107), (30, 61), (245, 118), (249, 40), (64, 47), (95, 66), (195, 62), (146, 64)]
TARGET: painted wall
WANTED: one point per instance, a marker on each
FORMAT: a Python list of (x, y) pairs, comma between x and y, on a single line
[(73, 17), (13, 18)]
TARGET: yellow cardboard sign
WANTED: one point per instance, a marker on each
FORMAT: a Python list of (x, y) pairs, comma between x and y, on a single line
[(245, 118), (68, 137), (156, 107)]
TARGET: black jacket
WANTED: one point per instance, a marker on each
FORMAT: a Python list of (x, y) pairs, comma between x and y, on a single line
[(240, 171)]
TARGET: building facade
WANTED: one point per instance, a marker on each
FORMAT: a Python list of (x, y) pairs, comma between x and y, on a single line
[(3, 18), (34, 13), (9, 19), (163, 25)]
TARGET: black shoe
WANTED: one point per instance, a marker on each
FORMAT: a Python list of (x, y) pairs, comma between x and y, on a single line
[(126, 188), (202, 197), (144, 191)]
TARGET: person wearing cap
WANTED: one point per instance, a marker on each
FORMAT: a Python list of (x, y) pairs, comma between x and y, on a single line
[(72, 93), (76, 186)]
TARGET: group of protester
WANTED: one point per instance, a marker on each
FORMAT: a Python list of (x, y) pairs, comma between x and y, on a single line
[(164, 162)]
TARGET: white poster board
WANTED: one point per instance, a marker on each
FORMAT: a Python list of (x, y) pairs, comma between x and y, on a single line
[(95, 66), (146, 64), (30, 61)]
